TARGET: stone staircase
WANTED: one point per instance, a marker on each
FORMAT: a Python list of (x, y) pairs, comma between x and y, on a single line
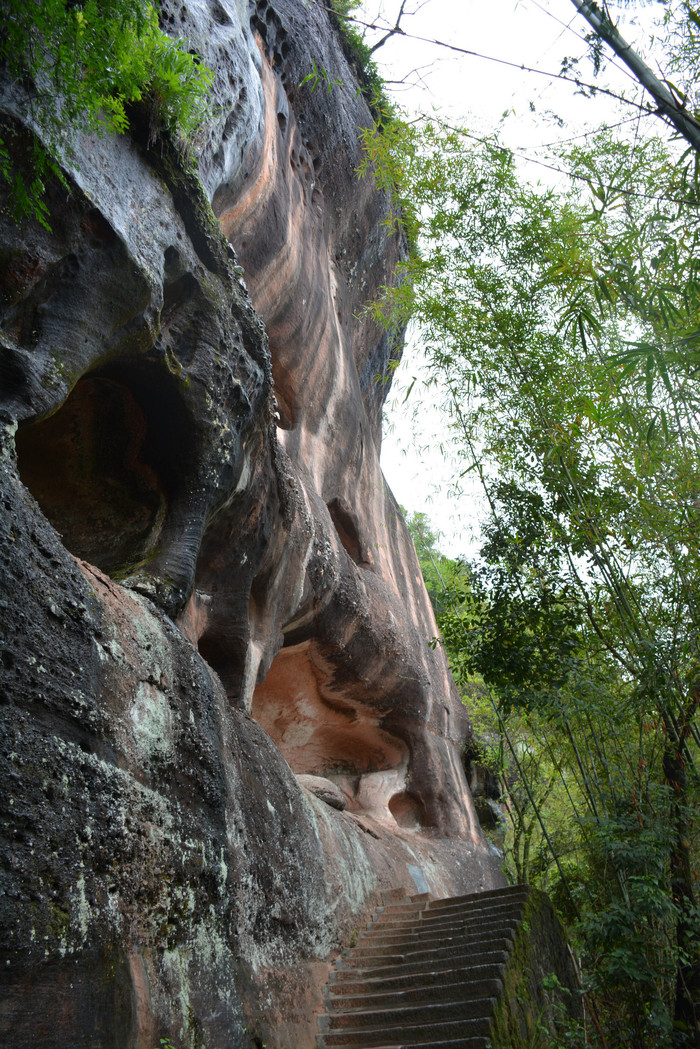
[(425, 973)]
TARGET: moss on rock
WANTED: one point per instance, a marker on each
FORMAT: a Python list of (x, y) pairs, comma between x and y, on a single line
[(541, 994)]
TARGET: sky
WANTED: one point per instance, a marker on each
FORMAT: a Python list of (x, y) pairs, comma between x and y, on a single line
[(477, 92), (534, 33)]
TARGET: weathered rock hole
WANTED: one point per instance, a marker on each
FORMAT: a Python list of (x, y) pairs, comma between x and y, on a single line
[(219, 13), (13, 372), (230, 125), (214, 653), (173, 265), (320, 732), (407, 811), (282, 121), (103, 468), (26, 323), (96, 229), (176, 293), (285, 395), (344, 522)]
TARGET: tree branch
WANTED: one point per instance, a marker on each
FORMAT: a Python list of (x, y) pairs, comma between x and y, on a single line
[(668, 106), (392, 32)]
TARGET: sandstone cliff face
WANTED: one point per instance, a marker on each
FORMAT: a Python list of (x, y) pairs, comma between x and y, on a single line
[(208, 595)]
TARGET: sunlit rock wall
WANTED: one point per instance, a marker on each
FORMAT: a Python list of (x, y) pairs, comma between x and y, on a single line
[(207, 590)]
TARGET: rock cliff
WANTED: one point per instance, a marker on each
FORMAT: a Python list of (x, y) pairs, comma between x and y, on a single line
[(224, 731)]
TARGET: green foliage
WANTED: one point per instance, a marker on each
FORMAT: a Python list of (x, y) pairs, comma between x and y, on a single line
[(562, 330), (319, 75), (81, 67), (443, 577), (582, 764), (389, 152), (681, 38), (359, 55)]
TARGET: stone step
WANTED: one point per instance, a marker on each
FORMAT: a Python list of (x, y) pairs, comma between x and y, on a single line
[(405, 901), (479, 1041), (373, 946), (426, 973), (427, 918), (479, 898), (438, 919), (379, 1019), (396, 911), (458, 949), (431, 931), (416, 992), (469, 899), (485, 957), (443, 927), (346, 983), (409, 1035), (449, 955), (391, 896)]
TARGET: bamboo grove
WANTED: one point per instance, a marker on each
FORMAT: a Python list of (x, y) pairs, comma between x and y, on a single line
[(562, 334)]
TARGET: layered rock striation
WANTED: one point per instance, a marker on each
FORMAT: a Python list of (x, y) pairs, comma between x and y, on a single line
[(224, 729)]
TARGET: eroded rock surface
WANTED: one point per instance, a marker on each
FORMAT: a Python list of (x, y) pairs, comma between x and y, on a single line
[(207, 590)]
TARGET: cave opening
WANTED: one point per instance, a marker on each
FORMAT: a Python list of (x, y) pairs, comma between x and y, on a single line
[(107, 464), (407, 810), (322, 729)]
